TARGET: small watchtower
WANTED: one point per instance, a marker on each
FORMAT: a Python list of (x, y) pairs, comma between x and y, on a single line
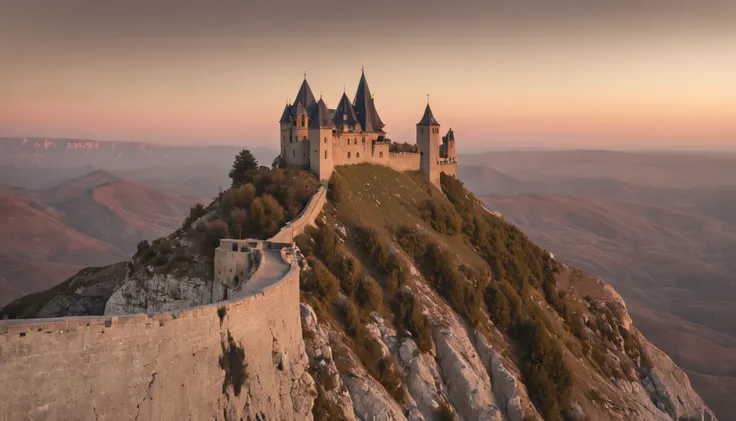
[(428, 140)]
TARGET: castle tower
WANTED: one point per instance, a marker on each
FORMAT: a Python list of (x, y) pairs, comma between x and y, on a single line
[(321, 160), (428, 140), (295, 127), (447, 149)]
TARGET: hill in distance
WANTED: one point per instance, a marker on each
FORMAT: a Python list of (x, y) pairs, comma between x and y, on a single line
[(92, 220)]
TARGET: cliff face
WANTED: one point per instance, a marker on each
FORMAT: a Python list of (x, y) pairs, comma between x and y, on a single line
[(409, 312)]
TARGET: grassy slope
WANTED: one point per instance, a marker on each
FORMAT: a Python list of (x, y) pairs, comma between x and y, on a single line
[(383, 199)]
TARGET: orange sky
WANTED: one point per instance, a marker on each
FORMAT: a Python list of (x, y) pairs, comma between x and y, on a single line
[(502, 78)]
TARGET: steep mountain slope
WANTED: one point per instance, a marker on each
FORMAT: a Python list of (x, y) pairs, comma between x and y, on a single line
[(418, 304)]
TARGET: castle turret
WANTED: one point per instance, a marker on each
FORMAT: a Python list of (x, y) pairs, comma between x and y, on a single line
[(428, 140), (295, 127), (321, 161)]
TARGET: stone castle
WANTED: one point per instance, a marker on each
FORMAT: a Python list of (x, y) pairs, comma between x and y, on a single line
[(320, 138)]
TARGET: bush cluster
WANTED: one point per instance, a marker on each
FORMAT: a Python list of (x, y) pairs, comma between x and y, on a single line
[(443, 218)]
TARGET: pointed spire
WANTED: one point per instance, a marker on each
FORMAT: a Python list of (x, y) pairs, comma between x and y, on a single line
[(345, 113), (365, 107), (450, 135), (428, 118), (285, 115), (305, 97), (320, 116)]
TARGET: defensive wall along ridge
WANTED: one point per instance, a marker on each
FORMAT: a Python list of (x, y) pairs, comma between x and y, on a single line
[(171, 365)]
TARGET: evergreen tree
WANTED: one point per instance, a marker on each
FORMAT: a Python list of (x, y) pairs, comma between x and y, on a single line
[(243, 168)]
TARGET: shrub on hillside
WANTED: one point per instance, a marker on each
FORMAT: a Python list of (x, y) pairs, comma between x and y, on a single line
[(347, 270), (266, 215), (408, 315), (321, 281), (350, 317), (443, 218), (241, 196), (195, 212), (412, 241), (368, 294), (337, 188), (208, 236)]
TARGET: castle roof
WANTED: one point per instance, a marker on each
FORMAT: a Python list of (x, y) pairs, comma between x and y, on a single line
[(366, 108), (345, 113), (449, 136), (320, 116), (286, 114), (304, 97), (428, 118)]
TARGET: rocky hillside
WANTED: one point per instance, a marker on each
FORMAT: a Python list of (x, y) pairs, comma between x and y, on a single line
[(418, 304)]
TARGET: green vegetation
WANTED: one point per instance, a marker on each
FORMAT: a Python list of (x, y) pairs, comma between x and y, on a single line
[(518, 266), (243, 167)]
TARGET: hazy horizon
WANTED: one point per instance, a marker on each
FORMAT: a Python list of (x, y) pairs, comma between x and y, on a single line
[(534, 74)]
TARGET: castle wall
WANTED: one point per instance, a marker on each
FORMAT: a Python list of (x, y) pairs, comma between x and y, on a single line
[(449, 168), (349, 149), (234, 267), (297, 225), (161, 367), (404, 161)]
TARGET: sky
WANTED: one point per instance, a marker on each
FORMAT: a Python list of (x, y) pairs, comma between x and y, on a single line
[(539, 74)]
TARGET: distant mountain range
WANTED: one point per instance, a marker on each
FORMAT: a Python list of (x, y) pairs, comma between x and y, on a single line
[(70, 153), (95, 219), (660, 228)]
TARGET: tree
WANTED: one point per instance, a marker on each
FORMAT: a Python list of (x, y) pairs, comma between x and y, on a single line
[(239, 217), (243, 167), (267, 215)]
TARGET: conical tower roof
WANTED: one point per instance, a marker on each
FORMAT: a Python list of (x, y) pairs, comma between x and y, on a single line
[(320, 116), (450, 135), (366, 108), (285, 115), (345, 113), (304, 97), (428, 118)]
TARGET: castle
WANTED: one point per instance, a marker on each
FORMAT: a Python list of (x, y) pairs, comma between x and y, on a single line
[(320, 138)]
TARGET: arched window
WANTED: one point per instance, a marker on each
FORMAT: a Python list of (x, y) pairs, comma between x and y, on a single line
[(380, 154), (348, 155), (325, 154), (357, 154), (363, 139), (303, 120), (325, 141), (348, 141)]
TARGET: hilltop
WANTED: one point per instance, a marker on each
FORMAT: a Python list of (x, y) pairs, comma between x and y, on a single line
[(418, 304)]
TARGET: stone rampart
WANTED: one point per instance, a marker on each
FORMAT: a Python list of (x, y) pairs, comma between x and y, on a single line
[(404, 161), (297, 225), (154, 367)]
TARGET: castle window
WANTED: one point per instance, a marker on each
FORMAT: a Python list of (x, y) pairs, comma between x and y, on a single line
[(363, 139), (357, 154), (348, 155), (303, 120), (348, 141), (325, 141), (380, 154), (325, 154)]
